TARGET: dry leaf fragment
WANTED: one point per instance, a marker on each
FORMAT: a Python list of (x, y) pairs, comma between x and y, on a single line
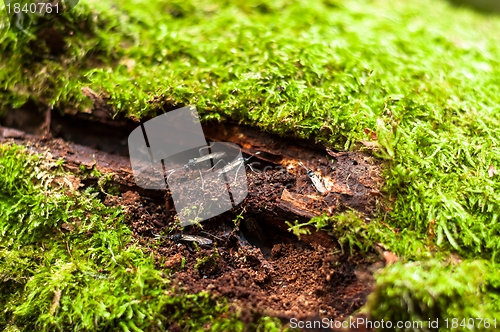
[(67, 226), (370, 144), (335, 154), (372, 134), (430, 228), (492, 171), (390, 258), (55, 301)]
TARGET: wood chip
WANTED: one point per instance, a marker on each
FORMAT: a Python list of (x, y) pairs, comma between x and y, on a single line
[(298, 201)]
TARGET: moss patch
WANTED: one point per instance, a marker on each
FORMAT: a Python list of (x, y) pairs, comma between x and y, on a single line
[(453, 296)]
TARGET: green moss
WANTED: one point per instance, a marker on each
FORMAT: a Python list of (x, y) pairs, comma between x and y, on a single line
[(68, 262), (452, 294), (48, 67)]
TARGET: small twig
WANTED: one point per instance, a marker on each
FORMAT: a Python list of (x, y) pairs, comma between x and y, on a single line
[(67, 248), (202, 182), (390, 228), (48, 117), (216, 237), (112, 255)]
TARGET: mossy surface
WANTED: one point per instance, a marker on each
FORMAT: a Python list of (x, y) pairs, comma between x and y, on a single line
[(457, 296), (422, 75)]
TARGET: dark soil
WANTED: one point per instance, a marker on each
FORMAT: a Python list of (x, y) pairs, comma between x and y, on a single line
[(287, 278)]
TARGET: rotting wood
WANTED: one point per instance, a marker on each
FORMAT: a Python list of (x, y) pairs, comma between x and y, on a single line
[(299, 202), (351, 177)]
